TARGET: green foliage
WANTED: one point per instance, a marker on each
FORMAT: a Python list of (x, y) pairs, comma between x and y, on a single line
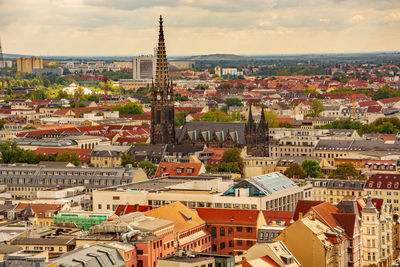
[(232, 167), (343, 124), (2, 122), (68, 156), (285, 125), (290, 70), (232, 156), (312, 168), (62, 94), (128, 159), (181, 115), (201, 87), (215, 115), (81, 105), (385, 92), (93, 97), (178, 97), (148, 167), (345, 171), (11, 153), (339, 76), (389, 125), (316, 108), (233, 102), (129, 108), (271, 118), (235, 116), (29, 128), (295, 171), (210, 168)]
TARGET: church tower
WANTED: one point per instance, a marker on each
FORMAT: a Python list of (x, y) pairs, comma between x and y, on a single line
[(162, 98), (257, 136)]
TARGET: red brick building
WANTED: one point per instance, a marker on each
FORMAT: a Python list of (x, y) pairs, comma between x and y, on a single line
[(234, 231)]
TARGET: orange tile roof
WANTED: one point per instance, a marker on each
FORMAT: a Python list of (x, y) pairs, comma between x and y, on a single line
[(178, 169), (183, 217)]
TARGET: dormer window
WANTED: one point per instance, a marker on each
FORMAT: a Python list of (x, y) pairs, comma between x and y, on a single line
[(162, 169), (389, 185), (379, 185), (189, 170), (396, 185), (179, 170), (371, 184)]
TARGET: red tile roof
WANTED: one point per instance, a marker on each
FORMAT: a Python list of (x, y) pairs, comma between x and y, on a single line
[(228, 216), (126, 209), (39, 209), (374, 109), (82, 153), (347, 222), (178, 169), (368, 103), (383, 181), (390, 100), (325, 211), (304, 206), (271, 216)]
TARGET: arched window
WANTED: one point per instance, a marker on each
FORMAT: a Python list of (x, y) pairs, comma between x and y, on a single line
[(222, 245), (214, 247)]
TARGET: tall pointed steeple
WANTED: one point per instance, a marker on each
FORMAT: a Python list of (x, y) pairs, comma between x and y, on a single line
[(162, 97), (262, 122), (250, 119)]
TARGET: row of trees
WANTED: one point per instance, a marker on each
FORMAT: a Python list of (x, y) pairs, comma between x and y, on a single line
[(11, 153), (311, 168), (389, 125)]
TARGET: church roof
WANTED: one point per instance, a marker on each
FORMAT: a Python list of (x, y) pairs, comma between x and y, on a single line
[(237, 129)]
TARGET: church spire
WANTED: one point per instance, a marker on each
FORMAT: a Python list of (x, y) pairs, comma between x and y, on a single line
[(162, 97), (250, 118), (262, 118)]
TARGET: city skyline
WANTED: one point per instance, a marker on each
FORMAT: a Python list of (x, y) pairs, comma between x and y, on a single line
[(79, 27)]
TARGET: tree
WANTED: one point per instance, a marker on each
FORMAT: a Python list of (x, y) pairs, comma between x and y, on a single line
[(232, 167), (148, 167), (129, 108), (68, 156), (181, 115), (216, 115), (230, 102), (385, 92), (128, 159), (2, 122), (94, 97), (312, 168), (285, 125), (11, 153), (295, 171), (232, 156), (316, 108), (345, 171), (235, 115), (271, 118), (210, 168)]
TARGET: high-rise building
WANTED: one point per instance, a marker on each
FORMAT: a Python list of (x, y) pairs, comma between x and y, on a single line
[(28, 64), (162, 98), (144, 67)]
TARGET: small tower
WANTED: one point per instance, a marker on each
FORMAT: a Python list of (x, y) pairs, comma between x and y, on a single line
[(162, 98)]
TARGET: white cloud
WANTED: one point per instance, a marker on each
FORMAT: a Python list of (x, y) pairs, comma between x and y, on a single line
[(128, 27)]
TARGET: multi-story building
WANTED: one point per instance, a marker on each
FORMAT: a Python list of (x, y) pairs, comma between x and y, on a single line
[(235, 231), (377, 233), (386, 187), (144, 67), (55, 246), (25, 180), (108, 156), (334, 191), (28, 64), (272, 191), (190, 228)]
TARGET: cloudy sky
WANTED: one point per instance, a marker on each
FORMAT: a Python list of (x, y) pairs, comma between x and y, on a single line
[(129, 27)]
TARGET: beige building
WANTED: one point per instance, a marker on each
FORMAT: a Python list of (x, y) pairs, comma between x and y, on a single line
[(255, 166), (28, 64), (271, 191), (108, 156), (377, 234)]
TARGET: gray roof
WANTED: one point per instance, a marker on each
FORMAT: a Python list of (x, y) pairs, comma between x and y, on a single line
[(109, 151), (6, 249), (337, 184), (36, 175), (43, 241), (369, 207), (356, 145), (90, 257), (208, 128)]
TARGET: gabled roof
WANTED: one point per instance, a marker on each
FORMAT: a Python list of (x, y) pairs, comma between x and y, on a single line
[(304, 206), (183, 217), (178, 169), (228, 216), (390, 100), (39, 209), (325, 211), (347, 222)]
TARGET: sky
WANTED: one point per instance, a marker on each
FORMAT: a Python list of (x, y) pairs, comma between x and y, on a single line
[(197, 27)]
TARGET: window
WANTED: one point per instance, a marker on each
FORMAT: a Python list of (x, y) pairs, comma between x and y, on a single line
[(213, 232), (214, 247), (222, 245), (249, 243), (230, 231), (99, 206), (239, 242), (231, 243), (222, 231), (239, 229), (249, 229), (115, 197)]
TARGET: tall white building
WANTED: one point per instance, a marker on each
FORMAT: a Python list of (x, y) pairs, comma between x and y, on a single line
[(144, 67)]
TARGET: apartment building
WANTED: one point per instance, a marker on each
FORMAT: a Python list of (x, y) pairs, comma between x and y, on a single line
[(25, 180), (386, 187), (334, 190), (28, 64)]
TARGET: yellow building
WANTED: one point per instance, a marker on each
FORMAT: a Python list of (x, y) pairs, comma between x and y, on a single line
[(333, 191), (55, 246), (311, 242), (108, 156), (28, 64)]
